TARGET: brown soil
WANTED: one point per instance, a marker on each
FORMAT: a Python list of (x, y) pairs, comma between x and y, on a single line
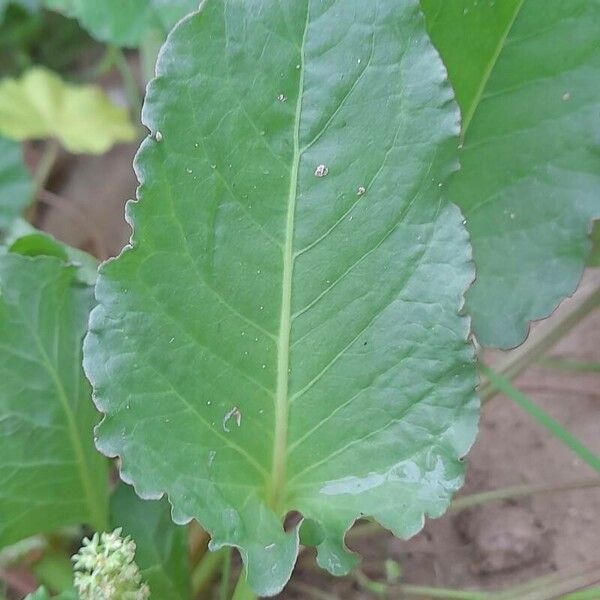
[(489, 548)]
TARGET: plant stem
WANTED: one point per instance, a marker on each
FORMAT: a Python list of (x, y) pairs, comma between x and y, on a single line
[(149, 53), (204, 574), (130, 83), (553, 586), (42, 173), (313, 592), (520, 490), (444, 593), (381, 589), (548, 587), (242, 589), (375, 587), (570, 365), (198, 543), (588, 594), (539, 343), (225, 576)]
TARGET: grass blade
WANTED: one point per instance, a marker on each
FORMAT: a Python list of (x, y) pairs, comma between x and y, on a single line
[(570, 365), (542, 417)]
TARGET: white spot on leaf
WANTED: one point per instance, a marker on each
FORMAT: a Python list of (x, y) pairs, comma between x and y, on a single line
[(321, 171), (233, 413)]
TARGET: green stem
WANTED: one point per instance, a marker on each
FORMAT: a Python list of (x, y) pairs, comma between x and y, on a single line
[(308, 590), (225, 576), (552, 586), (444, 593), (242, 589), (381, 589), (520, 490), (149, 53), (589, 594), (539, 343), (375, 587), (570, 365), (206, 570), (130, 83), (103, 66), (43, 170)]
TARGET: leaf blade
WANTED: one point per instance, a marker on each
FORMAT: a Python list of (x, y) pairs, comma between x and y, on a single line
[(46, 415), (230, 256), (125, 22), (161, 546), (470, 59), (528, 186)]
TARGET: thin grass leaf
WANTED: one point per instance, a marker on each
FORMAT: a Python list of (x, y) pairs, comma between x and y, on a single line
[(542, 417)]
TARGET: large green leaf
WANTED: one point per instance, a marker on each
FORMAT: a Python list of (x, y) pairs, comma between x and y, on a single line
[(283, 335), (530, 178), (125, 22), (161, 546), (40, 104), (16, 185), (50, 473)]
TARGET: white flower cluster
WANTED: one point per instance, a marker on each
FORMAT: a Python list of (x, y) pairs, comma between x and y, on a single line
[(105, 569)]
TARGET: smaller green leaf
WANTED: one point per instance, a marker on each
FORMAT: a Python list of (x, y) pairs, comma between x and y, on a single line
[(41, 105), (50, 472), (15, 182), (55, 568), (161, 546), (26, 240), (525, 73), (125, 22)]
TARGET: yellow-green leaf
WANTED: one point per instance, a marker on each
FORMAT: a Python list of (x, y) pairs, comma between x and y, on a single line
[(41, 105)]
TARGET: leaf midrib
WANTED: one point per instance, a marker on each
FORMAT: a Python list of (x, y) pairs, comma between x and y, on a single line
[(489, 68), (278, 469)]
